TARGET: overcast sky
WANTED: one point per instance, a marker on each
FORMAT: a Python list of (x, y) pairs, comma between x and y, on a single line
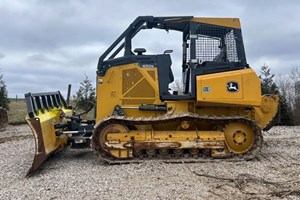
[(47, 44)]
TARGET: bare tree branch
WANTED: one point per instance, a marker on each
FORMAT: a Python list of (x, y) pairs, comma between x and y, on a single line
[(290, 187)]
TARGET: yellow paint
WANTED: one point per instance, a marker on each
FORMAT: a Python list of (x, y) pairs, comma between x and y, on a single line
[(127, 85), (131, 85), (177, 107), (171, 136), (47, 121), (239, 137), (212, 88), (226, 22), (265, 113), (116, 142)]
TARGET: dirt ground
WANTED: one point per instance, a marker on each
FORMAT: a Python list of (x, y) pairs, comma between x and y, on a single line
[(78, 174)]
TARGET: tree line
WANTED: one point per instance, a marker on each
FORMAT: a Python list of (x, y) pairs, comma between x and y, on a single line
[(286, 87), (4, 101)]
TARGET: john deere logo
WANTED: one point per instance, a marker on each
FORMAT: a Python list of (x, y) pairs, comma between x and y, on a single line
[(232, 86)]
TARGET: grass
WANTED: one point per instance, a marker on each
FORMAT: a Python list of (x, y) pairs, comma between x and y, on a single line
[(17, 112)]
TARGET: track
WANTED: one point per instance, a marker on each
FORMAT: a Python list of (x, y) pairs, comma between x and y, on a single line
[(172, 157)]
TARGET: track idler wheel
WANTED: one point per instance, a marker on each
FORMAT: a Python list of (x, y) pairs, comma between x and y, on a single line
[(110, 128), (239, 137)]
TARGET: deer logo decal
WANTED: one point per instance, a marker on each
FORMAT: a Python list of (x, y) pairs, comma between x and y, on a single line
[(232, 86)]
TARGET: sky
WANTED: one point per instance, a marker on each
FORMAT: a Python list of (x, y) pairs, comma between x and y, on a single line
[(47, 44)]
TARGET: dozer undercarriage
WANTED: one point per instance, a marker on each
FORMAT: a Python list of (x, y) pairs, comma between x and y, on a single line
[(187, 137), (218, 114)]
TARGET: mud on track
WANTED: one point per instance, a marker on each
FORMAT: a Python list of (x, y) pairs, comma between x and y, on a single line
[(78, 174)]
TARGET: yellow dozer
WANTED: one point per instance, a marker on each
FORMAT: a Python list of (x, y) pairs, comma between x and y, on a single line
[(218, 114)]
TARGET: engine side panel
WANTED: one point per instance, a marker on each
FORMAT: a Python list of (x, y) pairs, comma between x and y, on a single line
[(239, 87), (128, 86)]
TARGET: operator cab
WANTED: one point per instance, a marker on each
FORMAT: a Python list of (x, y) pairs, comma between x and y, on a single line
[(209, 45)]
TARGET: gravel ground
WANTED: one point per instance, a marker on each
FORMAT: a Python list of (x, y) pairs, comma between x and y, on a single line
[(78, 174)]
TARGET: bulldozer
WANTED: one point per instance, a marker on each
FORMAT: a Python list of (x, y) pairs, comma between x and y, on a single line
[(218, 114)]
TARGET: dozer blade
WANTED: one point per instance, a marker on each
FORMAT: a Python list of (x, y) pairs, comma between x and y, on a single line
[(44, 111)]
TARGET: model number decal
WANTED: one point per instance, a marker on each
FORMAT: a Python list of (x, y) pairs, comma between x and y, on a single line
[(206, 89)]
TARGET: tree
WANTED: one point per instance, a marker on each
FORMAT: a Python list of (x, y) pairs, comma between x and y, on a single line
[(285, 87), (268, 86), (295, 79), (295, 74), (85, 95), (290, 88), (286, 113), (4, 101), (297, 110)]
